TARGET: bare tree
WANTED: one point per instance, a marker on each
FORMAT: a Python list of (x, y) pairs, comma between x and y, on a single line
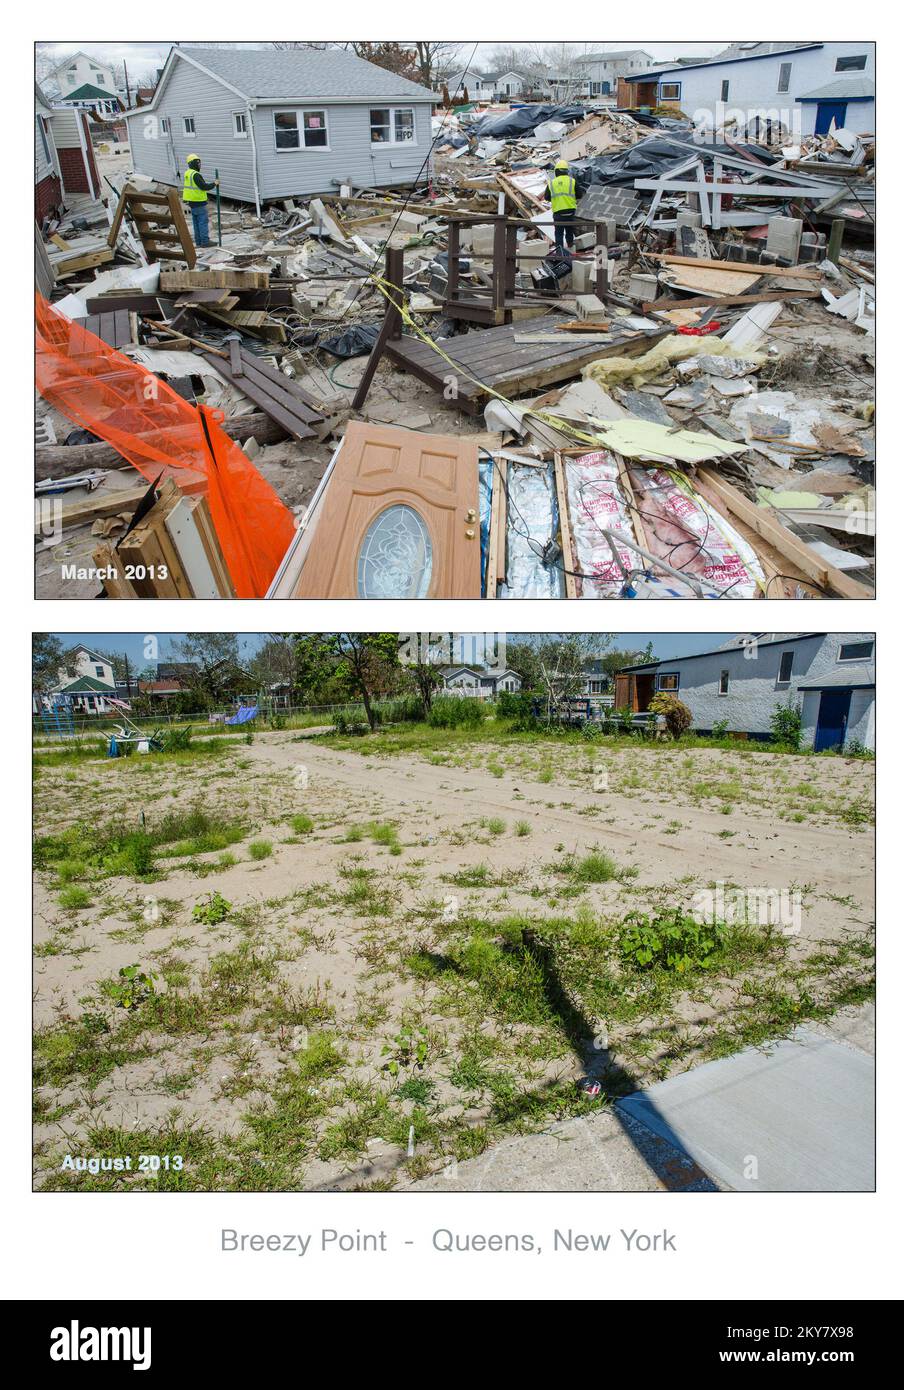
[(433, 57)]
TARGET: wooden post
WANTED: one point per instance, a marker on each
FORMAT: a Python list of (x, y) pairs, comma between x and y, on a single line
[(499, 240), (392, 322), (453, 252), (836, 235)]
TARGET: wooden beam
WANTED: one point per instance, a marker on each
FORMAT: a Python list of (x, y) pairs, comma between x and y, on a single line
[(763, 521), (391, 326), (568, 557), (798, 272), (108, 503), (705, 301)]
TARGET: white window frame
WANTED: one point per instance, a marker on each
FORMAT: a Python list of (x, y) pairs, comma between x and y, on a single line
[(299, 112), (724, 675), (236, 117), (846, 659), (669, 675), (663, 96), (381, 144), (164, 125), (785, 680), (185, 124)]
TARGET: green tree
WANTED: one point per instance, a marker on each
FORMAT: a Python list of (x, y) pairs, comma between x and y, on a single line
[(49, 657), (363, 665)]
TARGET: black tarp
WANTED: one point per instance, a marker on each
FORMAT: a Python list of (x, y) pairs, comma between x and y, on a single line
[(653, 157), (523, 120)]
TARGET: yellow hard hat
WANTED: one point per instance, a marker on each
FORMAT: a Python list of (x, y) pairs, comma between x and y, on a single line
[(561, 163), (190, 157)]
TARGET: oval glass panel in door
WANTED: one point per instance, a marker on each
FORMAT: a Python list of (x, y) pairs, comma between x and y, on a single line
[(396, 557)]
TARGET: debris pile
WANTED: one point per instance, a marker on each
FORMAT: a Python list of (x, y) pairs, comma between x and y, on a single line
[(678, 403)]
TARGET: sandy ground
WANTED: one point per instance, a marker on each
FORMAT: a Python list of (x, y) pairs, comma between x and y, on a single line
[(649, 820)]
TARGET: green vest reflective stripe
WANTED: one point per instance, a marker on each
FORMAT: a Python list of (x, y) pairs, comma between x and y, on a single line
[(190, 193), (562, 193)]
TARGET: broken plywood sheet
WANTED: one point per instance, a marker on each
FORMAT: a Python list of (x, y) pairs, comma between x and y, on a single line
[(704, 280)]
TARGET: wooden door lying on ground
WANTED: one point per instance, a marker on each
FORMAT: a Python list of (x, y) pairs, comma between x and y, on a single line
[(399, 519)]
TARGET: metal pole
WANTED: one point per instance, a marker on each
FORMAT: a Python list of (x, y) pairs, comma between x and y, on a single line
[(216, 174)]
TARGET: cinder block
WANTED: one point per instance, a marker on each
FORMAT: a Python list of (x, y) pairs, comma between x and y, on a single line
[(643, 287), (410, 221), (589, 306), (583, 277), (783, 237), (478, 240)]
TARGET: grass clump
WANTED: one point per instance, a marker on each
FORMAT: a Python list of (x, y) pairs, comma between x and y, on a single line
[(260, 849)]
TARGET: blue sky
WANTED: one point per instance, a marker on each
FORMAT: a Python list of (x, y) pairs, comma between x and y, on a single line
[(133, 643)]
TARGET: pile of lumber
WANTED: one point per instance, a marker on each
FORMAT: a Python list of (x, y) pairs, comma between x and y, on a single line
[(170, 551)]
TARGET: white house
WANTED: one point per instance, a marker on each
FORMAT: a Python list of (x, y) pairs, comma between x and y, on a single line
[(804, 86), (281, 124), (479, 683), (604, 69), (81, 70), (92, 690), (831, 676)]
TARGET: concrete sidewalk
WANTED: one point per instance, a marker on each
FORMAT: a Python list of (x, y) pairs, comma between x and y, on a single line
[(795, 1116)]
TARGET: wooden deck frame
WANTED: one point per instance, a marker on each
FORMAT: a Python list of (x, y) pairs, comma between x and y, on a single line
[(502, 365)]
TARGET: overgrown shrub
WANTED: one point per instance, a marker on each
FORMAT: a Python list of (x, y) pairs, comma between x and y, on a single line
[(677, 716), (456, 712), (672, 940), (786, 724)]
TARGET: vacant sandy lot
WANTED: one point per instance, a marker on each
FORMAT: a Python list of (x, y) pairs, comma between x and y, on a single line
[(421, 943)]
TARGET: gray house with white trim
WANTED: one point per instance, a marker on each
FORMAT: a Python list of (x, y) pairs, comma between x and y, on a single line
[(282, 123), (830, 675)]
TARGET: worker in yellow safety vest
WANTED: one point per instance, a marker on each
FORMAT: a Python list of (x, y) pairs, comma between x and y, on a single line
[(561, 192), (194, 193)]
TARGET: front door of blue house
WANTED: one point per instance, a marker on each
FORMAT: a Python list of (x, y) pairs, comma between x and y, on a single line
[(831, 723), (826, 113)]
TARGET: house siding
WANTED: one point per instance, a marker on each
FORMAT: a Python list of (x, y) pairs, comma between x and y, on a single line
[(754, 86), (754, 689), (283, 173), (350, 158), (190, 92)]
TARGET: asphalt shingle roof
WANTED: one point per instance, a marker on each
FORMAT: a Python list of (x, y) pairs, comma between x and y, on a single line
[(846, 88), (847, 674), (301, 74)]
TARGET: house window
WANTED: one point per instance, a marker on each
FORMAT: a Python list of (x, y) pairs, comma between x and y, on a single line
[(99, 672), (723, 682), (101, 80), (857, 63), (668, 680), (188, 125), (392, 125), (784, 77), (784, 668), (725, 90), (239, 125), (670, 91), (855, 651), (164, 125), (310, 134)]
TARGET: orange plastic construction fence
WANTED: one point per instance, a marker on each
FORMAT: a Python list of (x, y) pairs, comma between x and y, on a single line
[(162, 435)]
